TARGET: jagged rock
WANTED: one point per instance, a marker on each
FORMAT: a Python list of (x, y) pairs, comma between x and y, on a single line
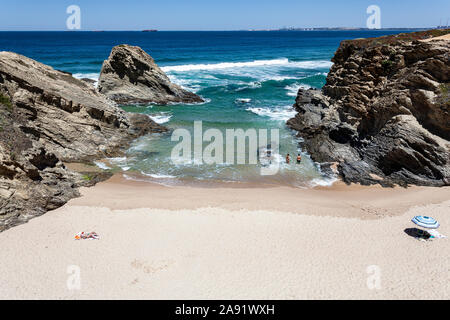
[(67, 115), (130, 75), (384, 112), (47, 117), (89, 81)]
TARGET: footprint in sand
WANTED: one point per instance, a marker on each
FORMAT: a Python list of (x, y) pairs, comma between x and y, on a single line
[(151, 267)]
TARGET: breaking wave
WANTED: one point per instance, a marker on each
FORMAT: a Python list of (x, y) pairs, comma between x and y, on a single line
[(161, 118), (292, 90), (91, 76), (256, 63), (278, 113)]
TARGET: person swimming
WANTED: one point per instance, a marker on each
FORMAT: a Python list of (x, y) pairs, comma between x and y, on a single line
[(269, 154), (288, 158), (299, 158)]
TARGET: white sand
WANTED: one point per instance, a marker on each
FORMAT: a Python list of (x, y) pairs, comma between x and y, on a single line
[(215, 250)]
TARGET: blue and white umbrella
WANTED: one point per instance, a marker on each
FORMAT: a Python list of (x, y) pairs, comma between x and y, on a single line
[(426, 222)]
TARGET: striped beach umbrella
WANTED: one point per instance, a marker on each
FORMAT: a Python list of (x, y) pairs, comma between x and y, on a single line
[(425, 222)]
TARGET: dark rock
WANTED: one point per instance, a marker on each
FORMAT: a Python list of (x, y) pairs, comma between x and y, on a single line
[(47, 117), (66, 72), (383, 114), (89, 81), (130, 75)]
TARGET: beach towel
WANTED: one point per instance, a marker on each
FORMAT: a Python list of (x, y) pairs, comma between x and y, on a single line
[(436, 234), (87, 235)]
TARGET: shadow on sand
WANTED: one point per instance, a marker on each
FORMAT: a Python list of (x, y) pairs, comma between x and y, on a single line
[(417, 233)]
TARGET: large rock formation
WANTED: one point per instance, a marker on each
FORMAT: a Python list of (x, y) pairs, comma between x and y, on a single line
[(130, 75), (47, 117), (384, 113)]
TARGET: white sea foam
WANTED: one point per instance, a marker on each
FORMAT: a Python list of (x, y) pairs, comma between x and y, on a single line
[(225, 65), (314, 64), (134, 178), (250, 85), (292, 90), (127, 177), (278, 78), (101, 165), (317, 64), (323, 182), (279, 113), (92, 76), (243, 100), (158, 176), (187, 84), (117, 160), (121, 162), (161, 118)]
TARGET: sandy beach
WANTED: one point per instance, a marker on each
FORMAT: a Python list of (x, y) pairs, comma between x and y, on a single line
[(235, 242)]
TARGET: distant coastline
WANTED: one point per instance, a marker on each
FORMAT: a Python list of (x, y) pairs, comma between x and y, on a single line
[(344, 29), (247, 30)]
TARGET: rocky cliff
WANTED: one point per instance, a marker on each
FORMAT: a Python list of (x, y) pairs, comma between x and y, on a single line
[(47, 117), (130, 75), (384, 112)]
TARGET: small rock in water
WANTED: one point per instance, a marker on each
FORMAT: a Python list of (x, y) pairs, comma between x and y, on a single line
[(243, 101)]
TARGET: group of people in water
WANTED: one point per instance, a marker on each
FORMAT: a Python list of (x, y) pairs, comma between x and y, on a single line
[(288, 158)]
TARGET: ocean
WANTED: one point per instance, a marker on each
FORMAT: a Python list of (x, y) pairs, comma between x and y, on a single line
[(248, 79)]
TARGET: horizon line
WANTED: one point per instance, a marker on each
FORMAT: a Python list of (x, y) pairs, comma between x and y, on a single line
[(235, 30)]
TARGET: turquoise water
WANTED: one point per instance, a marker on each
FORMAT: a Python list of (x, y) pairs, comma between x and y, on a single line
[(254, 94), (248, 79)]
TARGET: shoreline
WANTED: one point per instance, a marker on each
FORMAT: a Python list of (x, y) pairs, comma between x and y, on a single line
[(161, 242), (351, 201)]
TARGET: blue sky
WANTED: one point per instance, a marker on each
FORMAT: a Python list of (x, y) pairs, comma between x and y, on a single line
[(218, 15)]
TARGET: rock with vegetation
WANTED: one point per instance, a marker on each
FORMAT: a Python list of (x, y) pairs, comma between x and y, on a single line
[(384, 113), (130, 75), (47, 118)]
